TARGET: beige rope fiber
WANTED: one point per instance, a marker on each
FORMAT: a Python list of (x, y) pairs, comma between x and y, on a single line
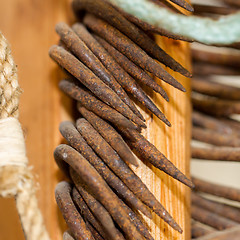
[(16, 179)]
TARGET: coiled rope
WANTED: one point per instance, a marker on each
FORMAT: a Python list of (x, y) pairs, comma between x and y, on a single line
[(16, 179)]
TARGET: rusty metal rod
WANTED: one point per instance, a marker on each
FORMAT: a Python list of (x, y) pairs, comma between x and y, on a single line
[(232, 213), (70, 133), (214, 89), (130, 49), (216, 153), (112, 65), (102, 192), (91, 81), (134, 183), (97, 209), (216, 189), (86, 56), (93, 104), (73, 219), (215, 138), (211, 219), (105, 11)]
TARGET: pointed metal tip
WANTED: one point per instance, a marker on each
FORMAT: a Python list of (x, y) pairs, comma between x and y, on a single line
[(167, 122)]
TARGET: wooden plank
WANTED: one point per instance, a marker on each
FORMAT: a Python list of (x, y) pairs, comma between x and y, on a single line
[(29, 26), (174, 144)]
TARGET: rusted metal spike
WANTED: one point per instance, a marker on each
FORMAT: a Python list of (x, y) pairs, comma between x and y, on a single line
[(232, 213), (216, 153), (86, 56), (184, 4), (105, 11), (70, 133), (131, 68), (205, 9), (93, 104), (112, 64), (199, 230), (133, 88), (150, 153), (130, 49), (215, 89), (216, 189), (203, 69), (137, 222), (94, 232), (86, 213), (73, 219), (215, 138), (211, 219), (91, 178), (112, 137), (208, 122), (134, 183), (220, 58), (96, 208), (91, 81), (215, 107)]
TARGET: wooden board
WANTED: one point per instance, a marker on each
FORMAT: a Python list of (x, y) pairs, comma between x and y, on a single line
[(29, 26)]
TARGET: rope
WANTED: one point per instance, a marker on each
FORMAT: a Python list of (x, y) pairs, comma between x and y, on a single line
[(16, 179), (225, 30)]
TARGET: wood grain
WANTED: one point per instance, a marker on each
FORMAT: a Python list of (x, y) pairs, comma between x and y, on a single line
[(173, 142), (29, 26)]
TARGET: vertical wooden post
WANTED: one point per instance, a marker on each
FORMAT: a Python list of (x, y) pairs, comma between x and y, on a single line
[(29, 26), (174, 142)]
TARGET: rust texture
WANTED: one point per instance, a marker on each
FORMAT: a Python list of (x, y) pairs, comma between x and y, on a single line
[(91, 81), (202, 69), (112, 137), (94, 232), (93, 104), (73, 219), (129, 48), (216, 189), (202, 120), (132, 87), (98, 186), (105, 11), (211, 219), (150, 153), (232, 213), (85, 55), (216, 153), (100, 213), (219, 58), (215, 107), (202, 9), (214, 89), (215, 138), (133, 182), (131, 68), (138, 223), (86, 213), (113, 65), (70, 133)]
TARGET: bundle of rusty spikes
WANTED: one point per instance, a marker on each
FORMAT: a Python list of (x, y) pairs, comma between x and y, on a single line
[(105, 194), (214, 105)]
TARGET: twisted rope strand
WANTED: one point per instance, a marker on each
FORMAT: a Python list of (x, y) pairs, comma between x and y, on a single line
[(16, 179), (225, 30)]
